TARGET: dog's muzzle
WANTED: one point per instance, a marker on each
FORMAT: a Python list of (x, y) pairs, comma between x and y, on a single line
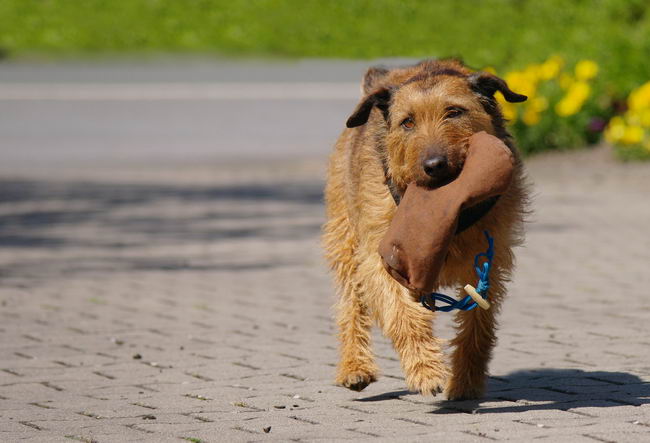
[(416, 243)]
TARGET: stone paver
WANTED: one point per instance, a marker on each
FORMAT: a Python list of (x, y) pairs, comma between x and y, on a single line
[(194, 304)]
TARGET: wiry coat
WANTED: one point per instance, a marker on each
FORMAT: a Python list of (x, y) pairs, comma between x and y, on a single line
[(360, 208)]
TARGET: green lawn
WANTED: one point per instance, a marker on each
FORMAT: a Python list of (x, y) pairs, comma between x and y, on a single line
[(501, 33)]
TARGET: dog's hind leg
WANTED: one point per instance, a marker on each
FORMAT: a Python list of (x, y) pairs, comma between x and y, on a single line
[(474, 341), (356, 368)]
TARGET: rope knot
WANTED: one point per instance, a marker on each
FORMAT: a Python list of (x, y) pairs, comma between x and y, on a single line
[(482, 287)]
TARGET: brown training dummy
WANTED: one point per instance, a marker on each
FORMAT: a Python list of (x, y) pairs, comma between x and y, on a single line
[(416, 243)]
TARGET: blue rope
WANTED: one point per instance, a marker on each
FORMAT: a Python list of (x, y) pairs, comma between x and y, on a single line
[(467, 303)]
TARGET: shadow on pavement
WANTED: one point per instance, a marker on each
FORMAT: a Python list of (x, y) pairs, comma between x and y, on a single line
[(545, 389), (555, 389), (385, 396), (83, 227), (110, 194), (41, 214)]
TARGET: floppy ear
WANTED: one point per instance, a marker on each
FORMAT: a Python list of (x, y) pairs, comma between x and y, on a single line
[(379, 98), (372, 77), (487, 84)]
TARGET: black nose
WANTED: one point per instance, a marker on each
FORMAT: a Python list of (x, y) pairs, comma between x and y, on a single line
[(435, 166)]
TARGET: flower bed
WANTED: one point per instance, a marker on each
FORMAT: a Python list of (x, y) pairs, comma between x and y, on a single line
[(569, 107)]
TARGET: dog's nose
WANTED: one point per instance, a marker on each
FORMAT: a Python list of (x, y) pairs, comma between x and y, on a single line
[(435, 166)]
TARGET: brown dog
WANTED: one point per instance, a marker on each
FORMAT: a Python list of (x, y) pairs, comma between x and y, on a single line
[(412, 125)]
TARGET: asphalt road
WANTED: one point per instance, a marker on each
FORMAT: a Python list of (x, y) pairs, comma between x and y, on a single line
[(188, 110)]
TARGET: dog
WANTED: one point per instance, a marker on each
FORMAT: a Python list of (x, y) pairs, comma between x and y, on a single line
[(410, 126)]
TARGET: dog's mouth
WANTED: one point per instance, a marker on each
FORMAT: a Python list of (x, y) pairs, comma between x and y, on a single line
[(419, 236), (438, 182)]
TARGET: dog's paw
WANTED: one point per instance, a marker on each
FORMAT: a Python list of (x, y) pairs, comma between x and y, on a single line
[(356, 380), (464, 391), (428, 379)]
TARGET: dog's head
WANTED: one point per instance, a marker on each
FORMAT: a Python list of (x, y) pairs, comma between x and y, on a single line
[(425, 115)]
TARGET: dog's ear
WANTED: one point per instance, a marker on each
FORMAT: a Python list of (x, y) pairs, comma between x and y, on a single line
[(379, 98), (372, 78), (487, 84)]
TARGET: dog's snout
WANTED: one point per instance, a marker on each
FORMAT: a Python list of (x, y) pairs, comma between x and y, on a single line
[(435, 166)]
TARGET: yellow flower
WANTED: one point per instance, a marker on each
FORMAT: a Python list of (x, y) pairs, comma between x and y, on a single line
[(639, 98), (508, 109), (586, 70), (632, 118), (572, 102), (580, 90), (539, 104), (564, 108), (532, 73), (550, 68), (533, 109), (617, 121), (633, 135), (490, 70), (644, 118), (531, 117), (521, 82), (615, 130)]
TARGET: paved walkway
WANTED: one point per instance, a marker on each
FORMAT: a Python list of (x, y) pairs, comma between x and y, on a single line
[(193, 303)]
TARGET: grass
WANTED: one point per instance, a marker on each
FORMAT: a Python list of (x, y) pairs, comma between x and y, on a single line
[(505, 34), (632, 153)]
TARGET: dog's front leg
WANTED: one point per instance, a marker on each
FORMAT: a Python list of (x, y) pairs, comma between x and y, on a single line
[(474, 341), (409, 326)]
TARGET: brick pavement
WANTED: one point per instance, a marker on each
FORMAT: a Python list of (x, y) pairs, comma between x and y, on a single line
[(193, 303)]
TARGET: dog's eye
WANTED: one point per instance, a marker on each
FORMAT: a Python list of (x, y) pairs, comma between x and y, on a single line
[(408, 123), (454, 111)]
